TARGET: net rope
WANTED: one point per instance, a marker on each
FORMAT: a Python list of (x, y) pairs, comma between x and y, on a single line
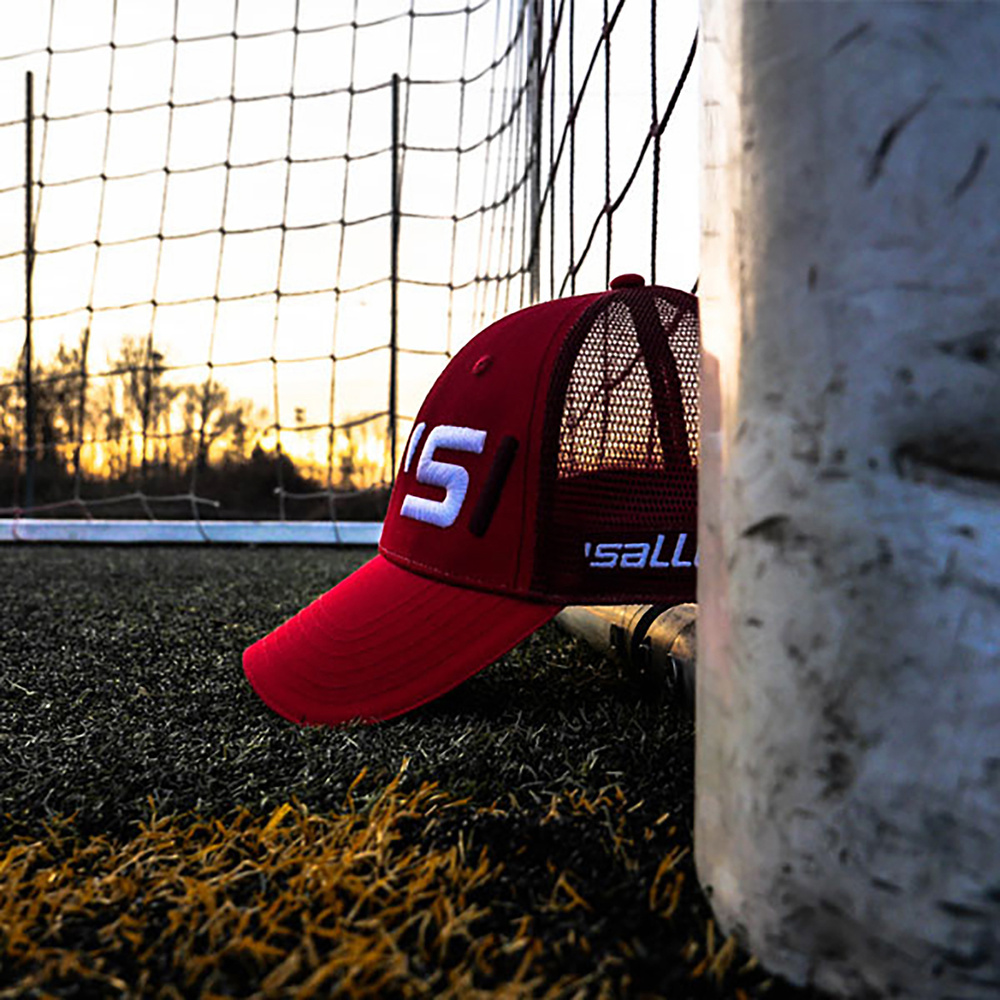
[(154, 255)]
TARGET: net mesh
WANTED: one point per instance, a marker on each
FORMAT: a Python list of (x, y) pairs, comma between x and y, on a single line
[(620, 452)]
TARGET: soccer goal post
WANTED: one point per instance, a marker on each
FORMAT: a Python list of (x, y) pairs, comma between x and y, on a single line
[(848, 758)]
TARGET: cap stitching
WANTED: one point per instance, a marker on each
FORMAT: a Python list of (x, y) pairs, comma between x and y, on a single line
[(408, 562)]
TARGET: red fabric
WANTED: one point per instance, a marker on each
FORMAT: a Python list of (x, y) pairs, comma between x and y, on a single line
[(506, 397), (382, 642)]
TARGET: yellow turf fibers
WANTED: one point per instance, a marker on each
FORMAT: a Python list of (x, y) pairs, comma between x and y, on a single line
[(351, 904)]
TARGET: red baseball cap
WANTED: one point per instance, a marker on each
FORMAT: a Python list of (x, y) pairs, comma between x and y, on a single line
[(554, 462)]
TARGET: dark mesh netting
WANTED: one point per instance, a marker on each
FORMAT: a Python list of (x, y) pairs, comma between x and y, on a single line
[(618, 491)]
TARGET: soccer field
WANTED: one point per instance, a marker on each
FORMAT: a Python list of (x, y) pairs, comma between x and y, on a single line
[(551, 857)]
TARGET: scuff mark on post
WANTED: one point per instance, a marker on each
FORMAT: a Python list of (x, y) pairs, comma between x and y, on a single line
[(850, 38), (771, 529), (981, 347), (838, 775), (950, 464), (970, 175), (876, 163)]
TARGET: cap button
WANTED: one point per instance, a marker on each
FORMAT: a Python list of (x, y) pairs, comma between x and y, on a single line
[(628, 281)]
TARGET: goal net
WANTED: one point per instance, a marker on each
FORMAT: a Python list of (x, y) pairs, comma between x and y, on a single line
[(240, 240)]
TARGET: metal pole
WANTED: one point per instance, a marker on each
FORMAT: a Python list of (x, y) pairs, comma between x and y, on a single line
[(655, 644), (535, 105), (29, 267), (394, 279)]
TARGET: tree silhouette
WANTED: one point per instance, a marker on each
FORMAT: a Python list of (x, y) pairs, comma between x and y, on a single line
[(135, 428), (143, 366)]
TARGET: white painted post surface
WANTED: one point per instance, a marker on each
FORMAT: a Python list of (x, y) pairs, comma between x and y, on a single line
[(848, 756)]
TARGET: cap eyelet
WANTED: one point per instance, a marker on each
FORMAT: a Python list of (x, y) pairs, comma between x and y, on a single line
[(482, 366)]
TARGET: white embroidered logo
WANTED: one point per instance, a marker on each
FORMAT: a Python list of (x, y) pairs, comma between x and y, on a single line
[(453, 479), (418, 432)]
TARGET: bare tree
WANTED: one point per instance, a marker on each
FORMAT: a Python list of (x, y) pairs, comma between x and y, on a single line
[(142, 368), (361, 441), (218, 418)]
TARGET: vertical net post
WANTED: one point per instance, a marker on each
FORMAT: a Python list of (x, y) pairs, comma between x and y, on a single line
[(655, 132), (394, 280), (29, 267), (571, 273), (608, 210), (536, 98)]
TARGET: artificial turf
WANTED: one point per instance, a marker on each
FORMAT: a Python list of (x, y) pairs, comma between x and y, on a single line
[(162, 832)]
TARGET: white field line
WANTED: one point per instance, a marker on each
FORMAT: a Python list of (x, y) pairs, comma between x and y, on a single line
[(104, 532)]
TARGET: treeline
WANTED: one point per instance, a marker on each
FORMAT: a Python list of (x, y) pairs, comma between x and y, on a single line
[(134, 430)]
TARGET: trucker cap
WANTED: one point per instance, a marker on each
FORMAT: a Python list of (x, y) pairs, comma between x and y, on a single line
[(553, 462)]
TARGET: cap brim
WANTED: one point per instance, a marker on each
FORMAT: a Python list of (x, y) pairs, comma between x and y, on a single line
[(382, 642)]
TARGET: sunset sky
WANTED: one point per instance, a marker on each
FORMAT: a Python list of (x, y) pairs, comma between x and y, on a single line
[(165, 173)]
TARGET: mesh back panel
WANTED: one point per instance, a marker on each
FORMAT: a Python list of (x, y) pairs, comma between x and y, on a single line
[(620, 454)]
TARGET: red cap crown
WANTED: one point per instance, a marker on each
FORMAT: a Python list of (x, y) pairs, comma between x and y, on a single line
[(555, 458)]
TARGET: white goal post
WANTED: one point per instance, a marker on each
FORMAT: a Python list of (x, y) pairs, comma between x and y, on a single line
[(848, 704)]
